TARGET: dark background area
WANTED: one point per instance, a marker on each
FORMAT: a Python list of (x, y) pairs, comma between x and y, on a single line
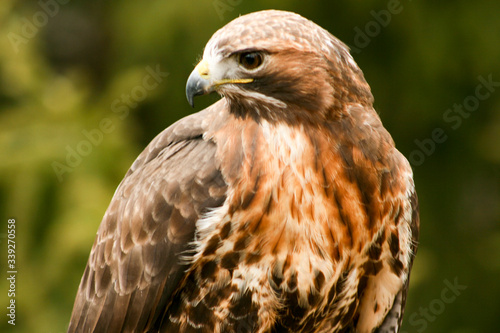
[(75, 111)]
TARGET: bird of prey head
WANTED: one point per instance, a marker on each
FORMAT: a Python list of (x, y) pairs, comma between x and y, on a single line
[(279, 61)]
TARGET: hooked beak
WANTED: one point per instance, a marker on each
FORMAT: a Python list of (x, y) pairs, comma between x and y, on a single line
[(200, 83)]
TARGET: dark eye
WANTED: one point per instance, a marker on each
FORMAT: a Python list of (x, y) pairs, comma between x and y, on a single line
[(251, 60)]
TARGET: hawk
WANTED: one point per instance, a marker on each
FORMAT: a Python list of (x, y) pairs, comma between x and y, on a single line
[(283, 207)]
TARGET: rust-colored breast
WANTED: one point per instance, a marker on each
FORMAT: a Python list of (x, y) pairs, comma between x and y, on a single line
[(307, 237)]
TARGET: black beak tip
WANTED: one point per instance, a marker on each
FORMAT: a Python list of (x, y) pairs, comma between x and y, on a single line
[(192, 93), (190, 99)]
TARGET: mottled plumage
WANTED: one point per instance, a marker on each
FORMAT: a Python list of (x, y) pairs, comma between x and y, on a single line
[(283, 207)]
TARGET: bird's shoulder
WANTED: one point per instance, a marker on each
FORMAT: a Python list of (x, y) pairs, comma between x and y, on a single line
[(136, 264)]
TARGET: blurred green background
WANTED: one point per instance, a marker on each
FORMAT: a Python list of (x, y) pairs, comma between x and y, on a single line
[(78, 103)]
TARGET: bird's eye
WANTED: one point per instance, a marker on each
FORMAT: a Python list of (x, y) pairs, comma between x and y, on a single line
[(251, 60)]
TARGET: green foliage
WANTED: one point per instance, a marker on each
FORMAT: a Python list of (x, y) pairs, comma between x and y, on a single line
[(85, 89)]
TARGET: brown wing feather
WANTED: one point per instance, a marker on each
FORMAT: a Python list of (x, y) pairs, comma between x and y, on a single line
[(394, 318), (135, 266)]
